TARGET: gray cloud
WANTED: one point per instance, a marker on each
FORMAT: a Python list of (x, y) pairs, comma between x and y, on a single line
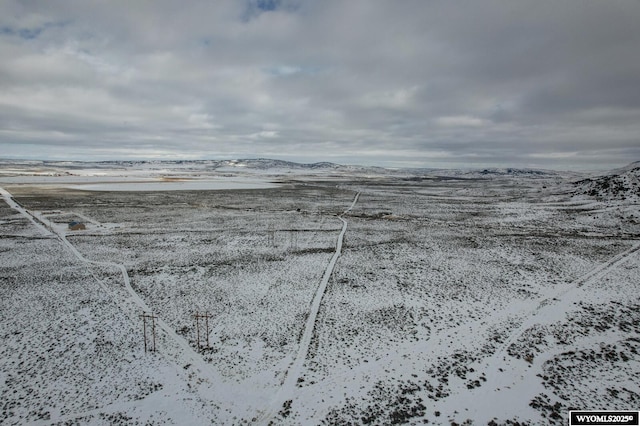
[(534, 83)]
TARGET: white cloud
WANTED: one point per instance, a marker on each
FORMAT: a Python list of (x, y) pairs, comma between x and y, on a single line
[(460, 121), (359, 81), (264, 134)]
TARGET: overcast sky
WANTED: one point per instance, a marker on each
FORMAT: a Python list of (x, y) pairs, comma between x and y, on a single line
[(552, 84)]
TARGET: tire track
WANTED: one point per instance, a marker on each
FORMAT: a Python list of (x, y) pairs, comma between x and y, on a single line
[(555, 299), (285, 392)]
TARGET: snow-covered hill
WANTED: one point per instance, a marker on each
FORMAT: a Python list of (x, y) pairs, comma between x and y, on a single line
[(621, 184), (494, 172), (629, 167)]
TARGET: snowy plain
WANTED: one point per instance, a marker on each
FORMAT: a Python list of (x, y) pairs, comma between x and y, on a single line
[(490, 297)]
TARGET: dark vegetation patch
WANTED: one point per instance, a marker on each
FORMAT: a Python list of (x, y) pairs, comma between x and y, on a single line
[(386, 404)]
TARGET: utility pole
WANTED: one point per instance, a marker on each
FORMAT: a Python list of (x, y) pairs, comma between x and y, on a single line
[(293, 240), (272, 235), (150, 346), (205, 317)]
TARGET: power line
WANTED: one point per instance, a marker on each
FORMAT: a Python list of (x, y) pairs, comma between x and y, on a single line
[(204, 317), (149, 342)]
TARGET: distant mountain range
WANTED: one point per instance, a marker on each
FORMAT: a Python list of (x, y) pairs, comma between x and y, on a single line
[(258, 164), (272, 166), (498, 172)]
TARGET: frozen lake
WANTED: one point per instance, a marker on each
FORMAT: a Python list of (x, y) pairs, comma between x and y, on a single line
[(141, 183), (178, 185)]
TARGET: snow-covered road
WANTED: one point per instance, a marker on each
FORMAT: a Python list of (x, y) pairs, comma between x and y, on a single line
[(285, 392), (16, 206), (39, 221), (180, 348)]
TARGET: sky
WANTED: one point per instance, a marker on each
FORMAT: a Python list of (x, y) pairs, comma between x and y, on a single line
[(543, 84)]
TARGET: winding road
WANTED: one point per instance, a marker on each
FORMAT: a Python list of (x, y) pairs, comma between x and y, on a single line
[(188, 354)]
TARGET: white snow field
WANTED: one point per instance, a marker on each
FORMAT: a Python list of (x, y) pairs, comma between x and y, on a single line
[(336, 295)]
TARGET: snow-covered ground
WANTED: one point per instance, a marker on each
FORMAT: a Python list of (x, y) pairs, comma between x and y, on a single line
[(502, 298)]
